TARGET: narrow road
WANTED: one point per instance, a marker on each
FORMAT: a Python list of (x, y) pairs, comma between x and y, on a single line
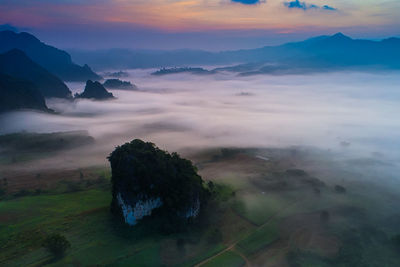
[(232, 246)]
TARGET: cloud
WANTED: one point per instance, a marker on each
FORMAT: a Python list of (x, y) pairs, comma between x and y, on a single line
[(296, 4), (328, 8), (304, 6), (248, 2)]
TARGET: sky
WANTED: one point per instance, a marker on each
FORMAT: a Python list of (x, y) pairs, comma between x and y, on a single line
[(197, 24)]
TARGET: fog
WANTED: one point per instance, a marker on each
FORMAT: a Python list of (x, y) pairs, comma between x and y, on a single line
[(355, 114)]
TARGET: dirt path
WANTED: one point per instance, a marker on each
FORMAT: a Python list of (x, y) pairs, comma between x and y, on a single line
[(232, 246), (248, 264)]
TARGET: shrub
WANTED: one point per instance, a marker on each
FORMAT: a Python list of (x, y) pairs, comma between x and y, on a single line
[(340, 189), (22, 193), (56, 244)]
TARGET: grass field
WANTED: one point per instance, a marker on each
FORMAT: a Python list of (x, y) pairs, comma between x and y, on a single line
[(229, 258), (259, 239), (246, 223), (258, 207)]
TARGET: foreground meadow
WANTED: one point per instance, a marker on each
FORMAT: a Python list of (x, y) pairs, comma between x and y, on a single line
[(273, 207)]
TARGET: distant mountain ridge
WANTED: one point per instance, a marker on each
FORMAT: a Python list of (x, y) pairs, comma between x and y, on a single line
[(52, 59), (335, 51)]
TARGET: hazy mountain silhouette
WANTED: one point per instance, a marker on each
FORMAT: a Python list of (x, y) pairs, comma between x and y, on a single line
[(119, 84), (15, 63), (325, 52), (19, 94), (96, 91), (54, 60)]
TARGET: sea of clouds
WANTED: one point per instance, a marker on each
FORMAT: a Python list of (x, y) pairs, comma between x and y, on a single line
[(356, 112)]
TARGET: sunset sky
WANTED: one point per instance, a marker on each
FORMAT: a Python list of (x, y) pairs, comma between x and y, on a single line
[(197, 24)]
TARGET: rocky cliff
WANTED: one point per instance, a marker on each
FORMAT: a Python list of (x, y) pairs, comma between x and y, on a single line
[(147, 180), (96, 91)]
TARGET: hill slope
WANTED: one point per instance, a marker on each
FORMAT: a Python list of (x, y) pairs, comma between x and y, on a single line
[(19, 94), (52, 59), (15, 63)]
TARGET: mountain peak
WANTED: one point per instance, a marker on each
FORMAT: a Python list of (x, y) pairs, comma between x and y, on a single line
[(340, 36)]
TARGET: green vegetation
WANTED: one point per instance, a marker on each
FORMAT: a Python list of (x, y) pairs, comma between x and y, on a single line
[(25, 220), (165, 71), (258, 207), (56, 244), (141, 169), (245, 221), (19, 147), (147, 257), (259, 239), (228, 258), (83, 218)]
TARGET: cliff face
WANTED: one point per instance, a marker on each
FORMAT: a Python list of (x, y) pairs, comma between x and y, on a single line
[(94, 90), (132, 212), (19, 94), (15, 63), (146, 179)]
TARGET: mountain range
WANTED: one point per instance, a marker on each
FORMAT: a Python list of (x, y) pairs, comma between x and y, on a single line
[(52, 59), (322, 52)]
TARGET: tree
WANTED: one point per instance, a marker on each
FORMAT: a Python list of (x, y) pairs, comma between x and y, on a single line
[(56, 244)]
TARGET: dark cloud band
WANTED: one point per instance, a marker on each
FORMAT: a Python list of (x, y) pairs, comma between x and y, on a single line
[(304, 6), (247, 2)]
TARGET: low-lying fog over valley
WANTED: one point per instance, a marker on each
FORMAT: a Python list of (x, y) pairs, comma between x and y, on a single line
[(352, 113), (302, 170)]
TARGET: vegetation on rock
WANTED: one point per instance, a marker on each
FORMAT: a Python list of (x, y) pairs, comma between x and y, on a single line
[(119, 84), (142, 172), (165, 71)]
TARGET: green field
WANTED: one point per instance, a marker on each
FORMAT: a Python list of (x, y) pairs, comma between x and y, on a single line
[(246, 222), (259, 239), (228, 258)]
